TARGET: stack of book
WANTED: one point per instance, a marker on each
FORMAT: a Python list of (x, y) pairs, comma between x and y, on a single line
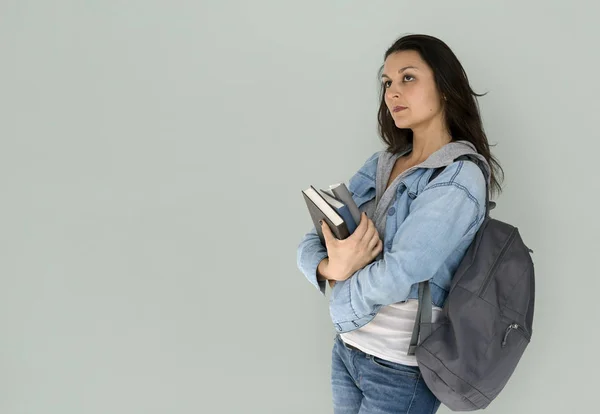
[(335, 206)]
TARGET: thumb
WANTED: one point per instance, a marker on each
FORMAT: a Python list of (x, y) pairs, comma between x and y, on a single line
[(326, 231)]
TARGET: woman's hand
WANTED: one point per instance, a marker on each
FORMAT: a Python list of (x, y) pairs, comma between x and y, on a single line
[(354, 252)]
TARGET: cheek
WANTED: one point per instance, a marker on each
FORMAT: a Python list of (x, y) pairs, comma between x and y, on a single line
[(426, 103)]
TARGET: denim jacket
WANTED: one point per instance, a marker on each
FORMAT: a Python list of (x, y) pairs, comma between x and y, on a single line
[(428, 230)]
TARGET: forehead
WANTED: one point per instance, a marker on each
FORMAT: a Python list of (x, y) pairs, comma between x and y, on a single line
[(402, 59)]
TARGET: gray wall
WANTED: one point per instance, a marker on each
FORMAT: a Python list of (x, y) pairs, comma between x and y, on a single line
[(152, 157)]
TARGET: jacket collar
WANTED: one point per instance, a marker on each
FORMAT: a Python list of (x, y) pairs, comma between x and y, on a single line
[(440, 158)]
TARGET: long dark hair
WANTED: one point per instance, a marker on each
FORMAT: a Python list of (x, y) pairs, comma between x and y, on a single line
[(461, 108)]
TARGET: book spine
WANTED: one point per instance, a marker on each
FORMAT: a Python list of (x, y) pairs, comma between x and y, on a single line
[(343, 194)]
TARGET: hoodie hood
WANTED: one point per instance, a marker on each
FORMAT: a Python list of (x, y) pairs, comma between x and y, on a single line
[(446, 156)]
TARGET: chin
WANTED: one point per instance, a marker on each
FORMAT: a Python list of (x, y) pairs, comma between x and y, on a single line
[(402, 123)]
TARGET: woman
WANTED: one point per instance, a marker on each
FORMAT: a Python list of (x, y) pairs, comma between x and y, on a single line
[(414, 227)]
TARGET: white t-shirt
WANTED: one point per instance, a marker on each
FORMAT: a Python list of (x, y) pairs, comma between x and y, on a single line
[(388, 335)]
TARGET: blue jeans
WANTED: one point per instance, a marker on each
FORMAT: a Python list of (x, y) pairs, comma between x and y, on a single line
[(365, 384)]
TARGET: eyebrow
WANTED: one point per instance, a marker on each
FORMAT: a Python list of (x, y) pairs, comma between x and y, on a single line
[(401, 70)]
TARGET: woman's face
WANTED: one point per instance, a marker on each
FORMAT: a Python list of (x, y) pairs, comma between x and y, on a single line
[(410, 93)]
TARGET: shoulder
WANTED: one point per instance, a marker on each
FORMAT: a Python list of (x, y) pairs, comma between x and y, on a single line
[(462, 175), (369, 166), (364, 178), (374, 156), (371, 161)]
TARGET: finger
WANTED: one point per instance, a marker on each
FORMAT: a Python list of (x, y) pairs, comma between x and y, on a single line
[(361, 229), (373, 242), (371, 231), (376, 251), (378, 248)]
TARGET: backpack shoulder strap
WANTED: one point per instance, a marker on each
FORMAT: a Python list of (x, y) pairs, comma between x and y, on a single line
[(435, 174), (490, 204), (440, 169)]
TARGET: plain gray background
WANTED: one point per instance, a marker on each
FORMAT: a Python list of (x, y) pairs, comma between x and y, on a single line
[(152, 158)]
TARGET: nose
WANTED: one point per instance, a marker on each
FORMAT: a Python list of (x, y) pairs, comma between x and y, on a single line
[(393, 91)]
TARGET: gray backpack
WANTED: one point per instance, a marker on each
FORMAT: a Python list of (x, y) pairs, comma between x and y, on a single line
[(468, 355)]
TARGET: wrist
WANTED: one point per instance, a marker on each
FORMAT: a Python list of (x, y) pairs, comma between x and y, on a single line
[(322, 272), (335, 272)]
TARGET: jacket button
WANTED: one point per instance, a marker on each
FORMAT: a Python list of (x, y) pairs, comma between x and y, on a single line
[(391, 211)]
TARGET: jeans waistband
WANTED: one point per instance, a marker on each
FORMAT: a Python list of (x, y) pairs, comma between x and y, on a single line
[(348, 346)]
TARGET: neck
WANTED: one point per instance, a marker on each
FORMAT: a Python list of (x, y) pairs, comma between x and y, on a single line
[(427, 141)]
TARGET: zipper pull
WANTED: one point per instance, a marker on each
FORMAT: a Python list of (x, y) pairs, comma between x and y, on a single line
[(511, 326)]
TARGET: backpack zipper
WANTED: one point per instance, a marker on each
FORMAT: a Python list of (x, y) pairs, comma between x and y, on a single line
[(488, 277), (510, 328)]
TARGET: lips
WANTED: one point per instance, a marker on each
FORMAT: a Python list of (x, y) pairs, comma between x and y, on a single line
[(399, 108)]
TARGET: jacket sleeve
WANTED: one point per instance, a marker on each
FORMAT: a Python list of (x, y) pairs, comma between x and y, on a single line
[(441, 215), (310, 251)]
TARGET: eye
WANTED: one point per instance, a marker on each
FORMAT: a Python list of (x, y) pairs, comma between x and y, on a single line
[(405, 78)]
